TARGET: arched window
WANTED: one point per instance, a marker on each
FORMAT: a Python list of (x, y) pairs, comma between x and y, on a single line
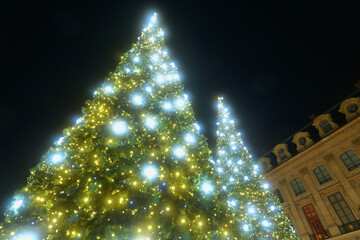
[(302, 141), (282, 154), (352, 108), (325, 126)]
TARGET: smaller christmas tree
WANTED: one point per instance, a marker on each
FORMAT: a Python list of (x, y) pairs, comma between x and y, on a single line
[(250, 209)]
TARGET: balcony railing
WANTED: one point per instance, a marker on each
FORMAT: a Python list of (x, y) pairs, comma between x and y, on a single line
[(319, 237), (350, 227)]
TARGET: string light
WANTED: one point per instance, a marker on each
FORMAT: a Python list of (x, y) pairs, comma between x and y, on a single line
[(150, 172), (151, 123), (207, 188), (119, 127), (179, 152)]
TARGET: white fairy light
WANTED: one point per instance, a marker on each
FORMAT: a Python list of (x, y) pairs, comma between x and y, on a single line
[(27, 236), (79, 120), (150, 172), (136, 59), (57, 157), (167, 106), (160, 79), (190, 138), (265, 185), (59, 141), (137, 99), (207, 187), (17, 204), (148, 89), (251, 210), (108, 89), (180, 103), (119, 127), (265, 223), (151, 123), (179, 152), (155, 57), (246, 227)]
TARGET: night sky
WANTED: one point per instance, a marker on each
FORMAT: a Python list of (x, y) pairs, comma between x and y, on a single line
[(275, 62)]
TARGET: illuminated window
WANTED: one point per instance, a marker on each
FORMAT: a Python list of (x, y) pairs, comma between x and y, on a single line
[(278, 194), (298, 186), (341, 208), (314, 222), (282, 154), (322, 174), (325, 126), (351, 160)]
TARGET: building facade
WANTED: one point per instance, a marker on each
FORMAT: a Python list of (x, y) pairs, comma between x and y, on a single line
[(316, 175)]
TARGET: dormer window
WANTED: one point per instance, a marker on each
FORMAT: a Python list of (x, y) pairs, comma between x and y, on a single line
[(265, 164), (302, 141), (282, 154), (326, 126), (351, 108)]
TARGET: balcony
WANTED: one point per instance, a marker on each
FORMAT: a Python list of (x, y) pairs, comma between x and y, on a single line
[(325, 235), (350, 227)]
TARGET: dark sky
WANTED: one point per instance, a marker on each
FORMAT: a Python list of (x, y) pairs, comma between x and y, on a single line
[(276, 62)]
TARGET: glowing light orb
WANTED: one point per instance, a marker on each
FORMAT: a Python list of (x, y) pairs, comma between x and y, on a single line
[(150, 123), (137, 99), (266, 185), (207, 187), (167, 106), (27, 236), (60, 141), (197, 126), (231, 179), (136, 59), (150, 172), (148, 89), (219, 170), (222, 152), (155, 57), (17, 204), (232, 203), (160, 79), (272, 207), (108, 89), (57, 158), (179, 152), (79, 120), (246, 227), (251, 210), (190, 138), (180, 103), (119, 127), (246, 178), (265, 223)]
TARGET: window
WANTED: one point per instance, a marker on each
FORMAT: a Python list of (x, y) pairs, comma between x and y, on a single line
[(341, 208), (326, 126), (278, 194), (322, 174), (298, 186), (314, 222), (352, 108), (351, 160), (302, 141), (282, 154)]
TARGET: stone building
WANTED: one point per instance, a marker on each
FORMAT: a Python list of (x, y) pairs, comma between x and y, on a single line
[(316, 174)]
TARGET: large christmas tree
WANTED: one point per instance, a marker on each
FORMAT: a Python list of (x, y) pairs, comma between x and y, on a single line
[(135, 165), (250, 210)]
